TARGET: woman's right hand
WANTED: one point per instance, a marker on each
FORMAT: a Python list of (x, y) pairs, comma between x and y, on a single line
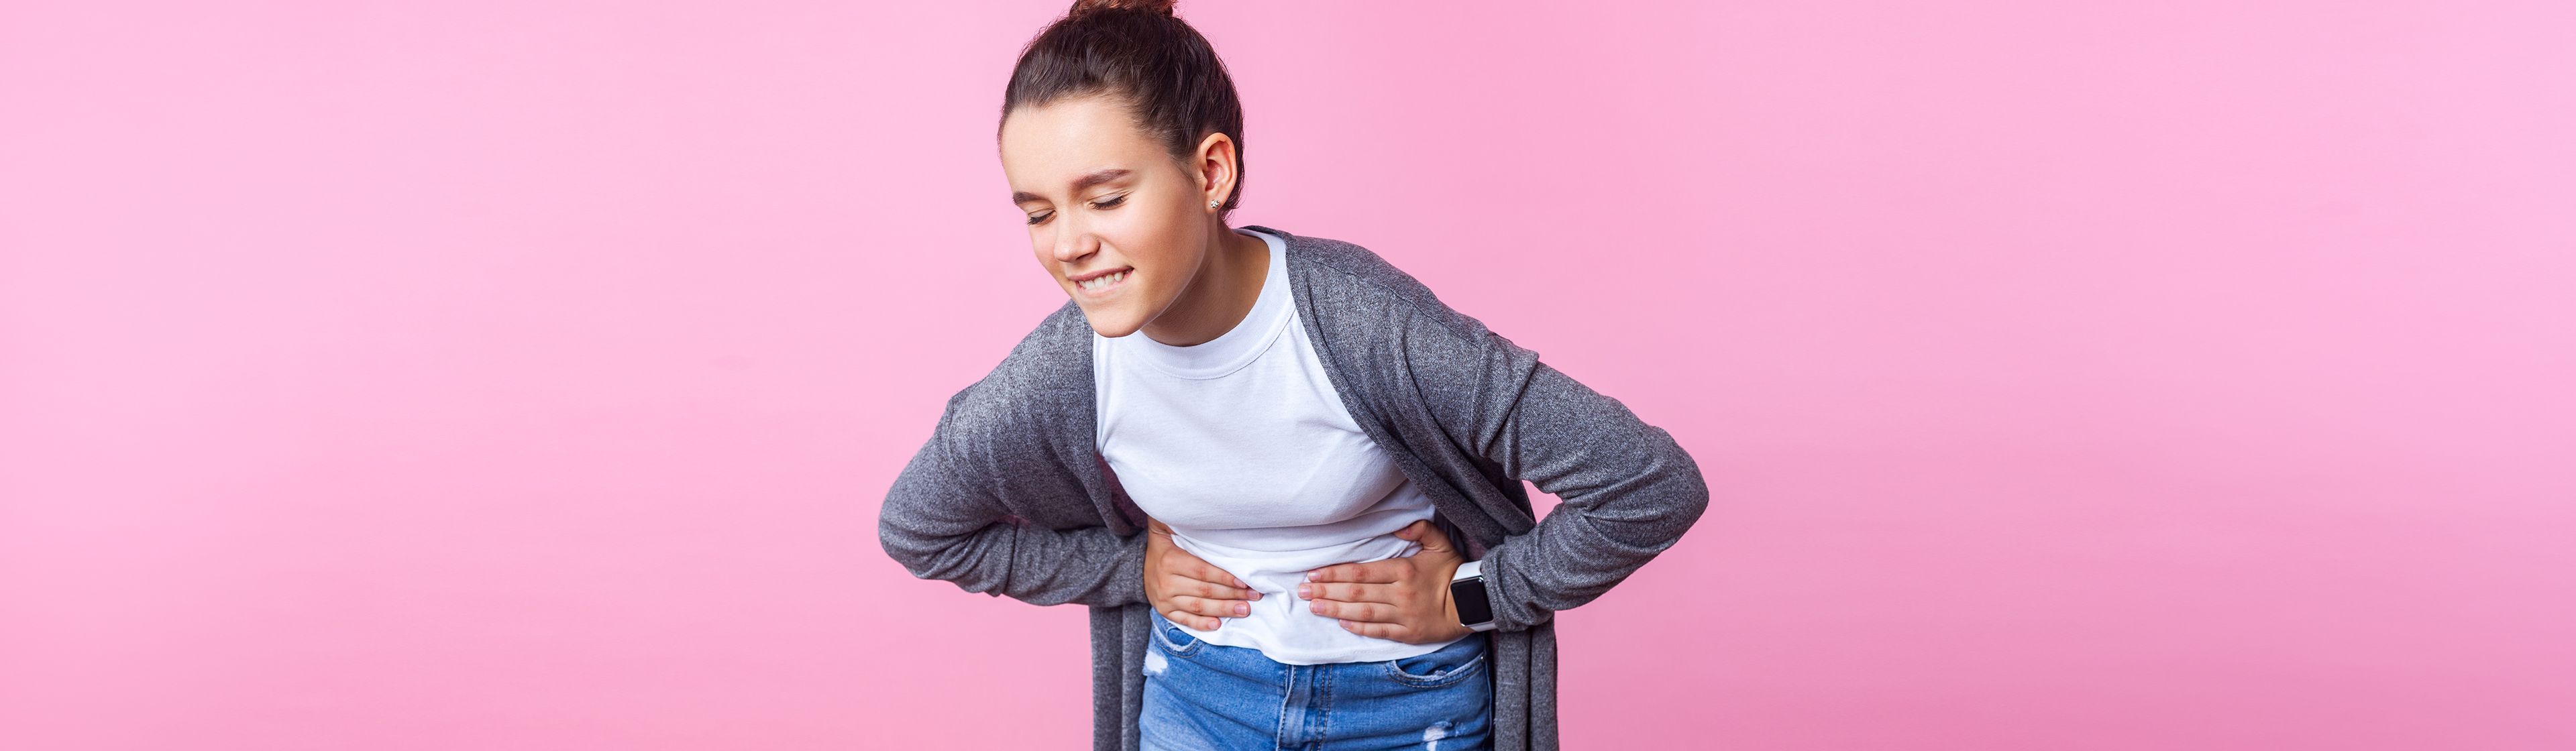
[(1187, 590)]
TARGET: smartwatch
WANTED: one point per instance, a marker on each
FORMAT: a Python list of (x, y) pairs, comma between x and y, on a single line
[(1467, 591)]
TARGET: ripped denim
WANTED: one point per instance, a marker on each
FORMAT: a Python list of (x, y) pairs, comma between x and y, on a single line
[(1211, 697)]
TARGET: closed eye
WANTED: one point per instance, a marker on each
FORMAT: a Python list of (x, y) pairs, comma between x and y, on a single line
[(1040, 217), (1110, 202)]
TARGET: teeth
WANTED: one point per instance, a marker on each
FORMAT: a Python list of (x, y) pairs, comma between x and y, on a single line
[(1092, 284)]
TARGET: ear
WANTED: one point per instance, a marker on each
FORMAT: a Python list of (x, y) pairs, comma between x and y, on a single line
[(1217, 166)]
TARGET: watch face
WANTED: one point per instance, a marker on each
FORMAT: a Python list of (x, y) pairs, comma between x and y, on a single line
[(1469, 594)]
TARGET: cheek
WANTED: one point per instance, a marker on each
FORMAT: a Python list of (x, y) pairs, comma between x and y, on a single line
[(1153, 216), (1160, 238)]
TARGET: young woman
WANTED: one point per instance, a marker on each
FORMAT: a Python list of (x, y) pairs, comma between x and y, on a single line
[(1284, 476)]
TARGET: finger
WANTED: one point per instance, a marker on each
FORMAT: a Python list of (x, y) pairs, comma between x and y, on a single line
[(1384, 593), (1211, 608), (1178, 561), (1380, 572), (1202, 571), (1182, 585), (1354, 611), (1379, 630), (1193, 621)]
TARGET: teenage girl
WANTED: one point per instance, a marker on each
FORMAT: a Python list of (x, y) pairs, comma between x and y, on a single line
[(1284, 476)]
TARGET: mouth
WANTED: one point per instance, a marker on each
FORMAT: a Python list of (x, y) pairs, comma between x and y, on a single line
[(1099, 281)]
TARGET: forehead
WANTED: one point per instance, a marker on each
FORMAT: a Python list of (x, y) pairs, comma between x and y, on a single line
[(1052, 145)]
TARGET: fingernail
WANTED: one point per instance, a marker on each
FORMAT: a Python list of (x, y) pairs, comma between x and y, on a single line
[(1242, 609), (1306, 591), (1310, 576), (1256, 596), (1317, 607)]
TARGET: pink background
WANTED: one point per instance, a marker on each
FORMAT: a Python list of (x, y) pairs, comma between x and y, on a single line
[(526, 375)]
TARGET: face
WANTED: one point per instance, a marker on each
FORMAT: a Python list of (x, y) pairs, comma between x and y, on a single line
[(1122, 226)]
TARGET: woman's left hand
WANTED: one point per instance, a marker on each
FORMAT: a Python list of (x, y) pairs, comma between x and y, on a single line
[(1404, 599)]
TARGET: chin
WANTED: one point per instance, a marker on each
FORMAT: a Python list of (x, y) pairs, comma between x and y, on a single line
[(1112, 322)]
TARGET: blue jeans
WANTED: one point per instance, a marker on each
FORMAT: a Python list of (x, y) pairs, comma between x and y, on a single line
[(1211, 697)]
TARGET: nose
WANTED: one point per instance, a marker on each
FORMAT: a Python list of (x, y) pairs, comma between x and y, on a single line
[(1072, 244)]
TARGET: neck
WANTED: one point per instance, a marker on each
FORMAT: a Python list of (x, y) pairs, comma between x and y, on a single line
[(1220, 295)]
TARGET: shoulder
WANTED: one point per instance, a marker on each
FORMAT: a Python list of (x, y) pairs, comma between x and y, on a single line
[(1344, 283), (1045, 378)]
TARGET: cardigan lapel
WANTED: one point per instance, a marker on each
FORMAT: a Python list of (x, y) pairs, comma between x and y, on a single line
[(1075, 441), (1459, 513)]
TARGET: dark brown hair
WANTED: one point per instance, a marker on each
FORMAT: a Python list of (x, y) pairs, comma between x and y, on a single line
[(1139, 54)]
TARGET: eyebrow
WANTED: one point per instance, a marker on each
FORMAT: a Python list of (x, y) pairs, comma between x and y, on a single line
[(1085, 181)]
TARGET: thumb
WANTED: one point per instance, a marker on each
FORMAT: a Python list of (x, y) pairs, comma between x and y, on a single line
[(1422, 532)]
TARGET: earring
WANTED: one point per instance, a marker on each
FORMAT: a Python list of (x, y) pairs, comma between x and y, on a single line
[(1212, 204)]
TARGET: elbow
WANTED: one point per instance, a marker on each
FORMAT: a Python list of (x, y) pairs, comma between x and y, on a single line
[(961, 559), (1682, 497), (1694, 487), (917, 553), (1690, 491)]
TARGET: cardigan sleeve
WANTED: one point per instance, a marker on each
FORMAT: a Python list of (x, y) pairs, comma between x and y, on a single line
[(1482, 414), (1628, 490), (999, 500), (945, 520)]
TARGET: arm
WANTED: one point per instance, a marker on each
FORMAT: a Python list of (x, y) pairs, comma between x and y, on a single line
[(1629, 492), (942, 521)]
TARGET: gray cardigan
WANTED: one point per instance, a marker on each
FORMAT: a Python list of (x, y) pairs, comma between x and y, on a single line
[(1010, 495)]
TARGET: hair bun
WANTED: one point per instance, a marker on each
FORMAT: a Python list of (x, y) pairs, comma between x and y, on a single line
[(1081, 7)]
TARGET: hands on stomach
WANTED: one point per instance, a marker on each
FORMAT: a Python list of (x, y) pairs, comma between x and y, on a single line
[(1403, 599), (1187, 590)]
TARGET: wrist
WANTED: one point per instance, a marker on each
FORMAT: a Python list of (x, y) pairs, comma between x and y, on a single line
[(1470, 602)]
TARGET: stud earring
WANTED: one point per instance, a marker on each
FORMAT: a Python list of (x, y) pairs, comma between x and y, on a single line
[(1212, 204)]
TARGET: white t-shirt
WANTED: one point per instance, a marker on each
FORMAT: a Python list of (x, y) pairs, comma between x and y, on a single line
[(1242, 446)]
